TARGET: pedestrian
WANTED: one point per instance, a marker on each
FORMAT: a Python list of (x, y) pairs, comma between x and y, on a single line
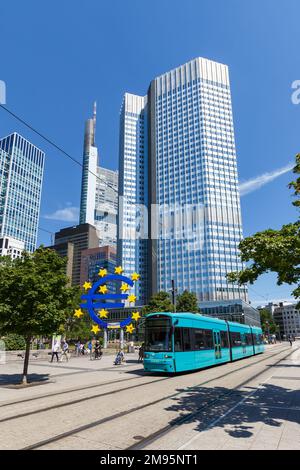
[(65, 351), (98, 352), (141, 353), (90, 348), (290, 340), (77, 348), (55, 350)]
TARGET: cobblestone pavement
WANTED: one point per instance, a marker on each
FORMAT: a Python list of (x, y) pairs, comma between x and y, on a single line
[(250, 404)]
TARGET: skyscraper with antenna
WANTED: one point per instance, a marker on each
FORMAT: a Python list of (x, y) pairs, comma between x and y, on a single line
[(99, 189), (90, 163)]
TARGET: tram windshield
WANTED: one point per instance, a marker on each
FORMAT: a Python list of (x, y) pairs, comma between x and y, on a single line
[(158, 335)]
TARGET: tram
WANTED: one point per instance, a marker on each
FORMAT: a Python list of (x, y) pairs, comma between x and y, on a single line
[(177, 342)]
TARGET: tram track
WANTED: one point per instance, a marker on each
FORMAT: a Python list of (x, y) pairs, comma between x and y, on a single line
[(79, 400), (102, 384), (190, 416), (120, 414), (64, 392)]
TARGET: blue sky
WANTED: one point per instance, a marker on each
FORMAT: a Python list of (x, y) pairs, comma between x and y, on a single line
[(57, 57)]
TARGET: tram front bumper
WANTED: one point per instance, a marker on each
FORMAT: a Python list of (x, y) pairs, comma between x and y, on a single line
[(158, 363)]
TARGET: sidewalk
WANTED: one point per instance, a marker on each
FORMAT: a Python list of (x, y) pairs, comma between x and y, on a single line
[(268, 417)]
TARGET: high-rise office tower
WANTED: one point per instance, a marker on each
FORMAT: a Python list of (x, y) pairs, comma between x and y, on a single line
[(133, 191), (106, 206), (21, 178), (192, 174), (99, 190), (89, 171)]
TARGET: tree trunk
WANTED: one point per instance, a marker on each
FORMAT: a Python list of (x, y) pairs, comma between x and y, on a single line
[(26, 360)]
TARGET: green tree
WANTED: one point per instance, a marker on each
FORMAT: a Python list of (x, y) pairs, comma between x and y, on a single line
[(187, 302), (35, 298), (274, 250), (79, 328), (267, 321), (159, 302), (13, 342)]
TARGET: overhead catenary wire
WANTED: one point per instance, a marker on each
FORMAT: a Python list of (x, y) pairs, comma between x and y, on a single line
[(57, 147)]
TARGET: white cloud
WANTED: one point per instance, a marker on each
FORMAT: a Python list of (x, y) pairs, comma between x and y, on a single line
[(68, 214), (255, 183)]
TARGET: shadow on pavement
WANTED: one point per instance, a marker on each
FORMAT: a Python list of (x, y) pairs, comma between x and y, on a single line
[(15, 379), (271, 405)]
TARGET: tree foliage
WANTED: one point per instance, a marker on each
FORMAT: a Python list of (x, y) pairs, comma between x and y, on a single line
[(274, 250), (267, 322), (159, 302), (78, 328), (14, 342), (35, 298), (187, 302)]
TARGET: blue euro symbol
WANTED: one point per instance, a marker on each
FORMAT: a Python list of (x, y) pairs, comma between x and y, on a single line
[(96, 301)]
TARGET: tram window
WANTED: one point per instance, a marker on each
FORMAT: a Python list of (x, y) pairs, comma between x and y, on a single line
[(178, 339), (260, 339), (158, 335), (186, 339), (235, 339), (199, 340), (224, 339), (208, 339), (248, 339)]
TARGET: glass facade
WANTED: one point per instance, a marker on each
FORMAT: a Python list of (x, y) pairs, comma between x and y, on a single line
[(21, 177), (106, 206), (99, 190), (177, 152), (133, 191), (194, 169)]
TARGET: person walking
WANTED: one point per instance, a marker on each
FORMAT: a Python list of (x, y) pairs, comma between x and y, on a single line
[(65, 352), (141, 353), (290, 340), (77, 348), (90, 348), (55, 350)]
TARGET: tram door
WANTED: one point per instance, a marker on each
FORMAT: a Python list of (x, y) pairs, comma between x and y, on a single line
[(217, 343)]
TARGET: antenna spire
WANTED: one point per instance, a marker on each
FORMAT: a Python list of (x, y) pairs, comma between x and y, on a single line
[(94, 121)]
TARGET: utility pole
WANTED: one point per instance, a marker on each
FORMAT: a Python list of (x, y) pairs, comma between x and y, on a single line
[(174, 291)]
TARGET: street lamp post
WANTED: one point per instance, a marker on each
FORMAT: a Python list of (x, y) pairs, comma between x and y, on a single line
[(268, 330), (174, 291)]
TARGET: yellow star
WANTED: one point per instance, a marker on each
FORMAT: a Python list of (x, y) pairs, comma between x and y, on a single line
[(135, 316), (102, 272), (124, 288), (95, 329), (87, 285), (103, 289), (103, 313), (129, 328), (118, 270), (132, 298), (78, 313), (135, 276)]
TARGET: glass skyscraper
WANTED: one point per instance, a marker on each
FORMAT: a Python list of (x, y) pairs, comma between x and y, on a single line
[(192, 174), (21, 178), (99, 190), (133, 192)]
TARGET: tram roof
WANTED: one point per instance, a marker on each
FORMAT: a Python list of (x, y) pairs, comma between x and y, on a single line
[(193, 316)]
